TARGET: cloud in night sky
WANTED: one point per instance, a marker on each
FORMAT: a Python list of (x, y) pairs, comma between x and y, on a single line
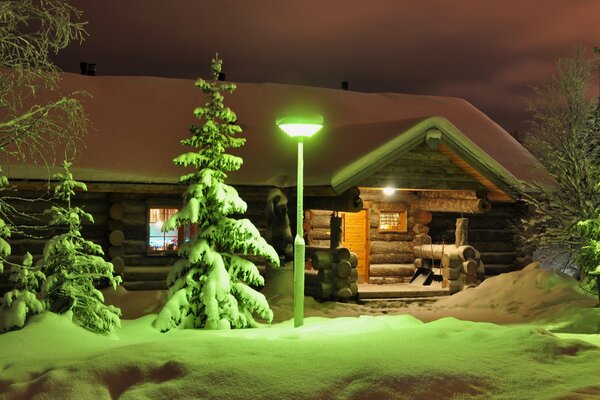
[(488, 52)]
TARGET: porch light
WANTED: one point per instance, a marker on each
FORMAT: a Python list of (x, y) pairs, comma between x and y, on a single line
[(300, 128), (389, 191)]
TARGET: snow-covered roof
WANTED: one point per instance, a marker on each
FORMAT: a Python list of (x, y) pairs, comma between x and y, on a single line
[(138, 122)]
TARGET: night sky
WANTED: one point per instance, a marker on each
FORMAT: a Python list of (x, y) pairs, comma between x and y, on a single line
[(486, 51)]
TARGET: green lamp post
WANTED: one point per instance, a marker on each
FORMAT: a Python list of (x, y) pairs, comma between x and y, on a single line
[(299, 128)]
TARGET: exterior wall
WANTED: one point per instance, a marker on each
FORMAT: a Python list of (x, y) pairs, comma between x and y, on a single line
[(93, 203), (490, 233)]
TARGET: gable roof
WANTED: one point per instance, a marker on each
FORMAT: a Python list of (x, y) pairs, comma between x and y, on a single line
[(138, 122)]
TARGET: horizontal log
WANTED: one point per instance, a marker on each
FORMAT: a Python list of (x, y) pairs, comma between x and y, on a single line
[(476, 221), (117, 211), (425, 182), (341, 269), (378, 199), (320, 221), (494, 247), (135, 219), (143, 260), (391, 270), (375, 235), (137, 232), (392, 258), (472, 206), (135, 246), (113, 225), (379, 247), (337, 203), (320, 234), (499, 258), (145, 285), (142, 273), (134, 206), (435, 251)]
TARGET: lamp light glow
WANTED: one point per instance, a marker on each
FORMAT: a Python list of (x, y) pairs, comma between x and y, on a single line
[(300, 126), (388, 191)]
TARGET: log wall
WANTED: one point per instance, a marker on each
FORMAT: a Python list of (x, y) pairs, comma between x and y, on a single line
[(489, 233), (32, 210)]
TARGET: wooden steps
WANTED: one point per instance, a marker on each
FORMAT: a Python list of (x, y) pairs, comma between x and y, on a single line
[(400, 291)]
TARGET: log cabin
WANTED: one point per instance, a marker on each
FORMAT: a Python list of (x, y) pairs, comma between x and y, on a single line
[(394, 167)]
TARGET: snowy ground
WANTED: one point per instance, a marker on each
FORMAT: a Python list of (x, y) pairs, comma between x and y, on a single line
[(540, 341)]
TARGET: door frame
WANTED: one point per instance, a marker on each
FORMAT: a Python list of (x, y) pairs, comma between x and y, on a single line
[(367, 239)]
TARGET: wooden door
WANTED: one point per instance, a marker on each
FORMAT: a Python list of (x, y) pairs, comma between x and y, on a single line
[(356, 238)]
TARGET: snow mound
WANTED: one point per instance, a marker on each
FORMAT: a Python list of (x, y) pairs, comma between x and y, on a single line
[(521, 296), (383, 357)]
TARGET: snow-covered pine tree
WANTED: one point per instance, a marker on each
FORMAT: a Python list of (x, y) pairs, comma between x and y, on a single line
[(4, 227), (72, 264), (22, 301), (209, 286)]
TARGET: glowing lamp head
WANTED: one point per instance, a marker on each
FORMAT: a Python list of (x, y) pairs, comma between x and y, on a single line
[(388, 191), (300, 126)]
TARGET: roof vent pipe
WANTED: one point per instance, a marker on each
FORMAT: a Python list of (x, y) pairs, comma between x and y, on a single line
[(344, 85), (87, 68)]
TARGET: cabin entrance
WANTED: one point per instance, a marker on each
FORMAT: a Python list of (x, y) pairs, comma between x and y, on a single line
[(355, 237)]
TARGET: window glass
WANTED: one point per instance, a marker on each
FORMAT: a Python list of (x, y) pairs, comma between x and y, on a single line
[(393, 221), (159, 241)]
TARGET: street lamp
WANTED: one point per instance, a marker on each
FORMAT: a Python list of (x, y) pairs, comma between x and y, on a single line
[(299, 128)]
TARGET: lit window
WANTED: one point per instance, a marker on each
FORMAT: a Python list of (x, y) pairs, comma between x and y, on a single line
[(160, 242), (393, 221)]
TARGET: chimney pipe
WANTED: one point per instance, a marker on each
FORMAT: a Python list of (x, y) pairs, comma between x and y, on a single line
[(344, 85), (87, 68)]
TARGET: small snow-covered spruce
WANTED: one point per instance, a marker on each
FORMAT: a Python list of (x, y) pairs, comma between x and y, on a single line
[(590, 253), (209, 287), (72, 264), (22, 301), (5, 229)]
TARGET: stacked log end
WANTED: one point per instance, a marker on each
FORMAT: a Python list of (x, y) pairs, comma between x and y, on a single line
[(337, 274), (461, 263), (116, 237)]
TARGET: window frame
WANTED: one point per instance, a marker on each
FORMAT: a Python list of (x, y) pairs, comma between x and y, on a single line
[(161, 253), (401, 225)]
